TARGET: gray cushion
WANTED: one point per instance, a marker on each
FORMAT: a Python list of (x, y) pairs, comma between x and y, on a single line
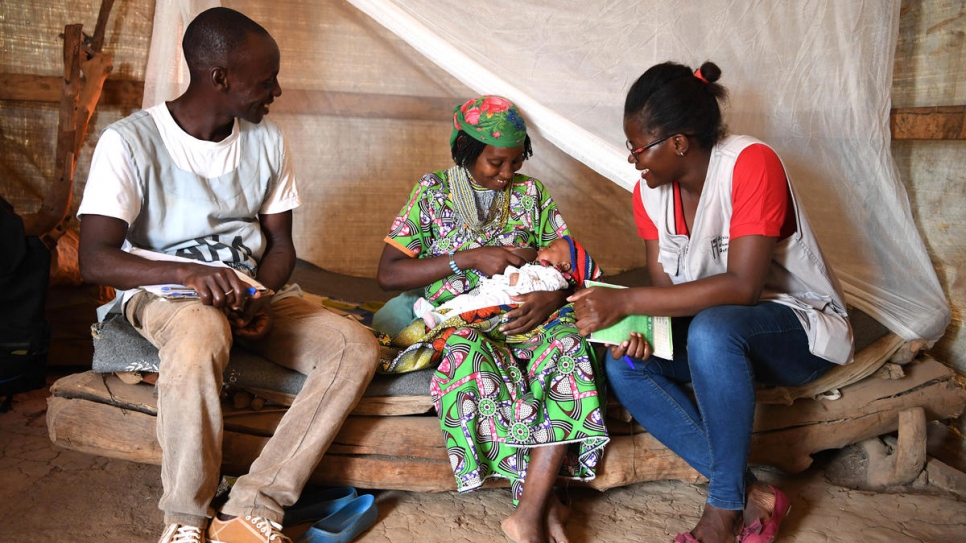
[(118, 347)]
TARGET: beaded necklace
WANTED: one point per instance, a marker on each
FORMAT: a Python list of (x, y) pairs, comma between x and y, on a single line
[(483, 211)]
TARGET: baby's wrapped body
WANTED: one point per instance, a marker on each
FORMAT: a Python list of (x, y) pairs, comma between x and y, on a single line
[(496, 290)]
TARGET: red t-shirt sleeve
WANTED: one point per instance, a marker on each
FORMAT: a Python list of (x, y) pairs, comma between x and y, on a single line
[(760, 196), (645, 226)]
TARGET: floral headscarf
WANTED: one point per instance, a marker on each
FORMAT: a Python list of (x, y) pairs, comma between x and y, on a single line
[(493, 120)]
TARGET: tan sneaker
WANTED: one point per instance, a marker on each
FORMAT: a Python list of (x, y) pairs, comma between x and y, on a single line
[(179, 533), (246, 530)]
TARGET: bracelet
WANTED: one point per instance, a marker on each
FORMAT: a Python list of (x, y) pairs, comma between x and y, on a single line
[(452, 263)]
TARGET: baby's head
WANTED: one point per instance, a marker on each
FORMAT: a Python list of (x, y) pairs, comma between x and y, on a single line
[(557, 254), (570, 257)]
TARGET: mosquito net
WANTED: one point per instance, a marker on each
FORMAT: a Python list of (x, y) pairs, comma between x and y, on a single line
[(810, 78)]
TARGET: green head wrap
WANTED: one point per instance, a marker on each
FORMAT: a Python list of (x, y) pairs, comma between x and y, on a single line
[(493, 120)]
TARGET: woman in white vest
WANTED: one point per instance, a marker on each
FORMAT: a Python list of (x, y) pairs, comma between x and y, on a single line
[(732, 259)]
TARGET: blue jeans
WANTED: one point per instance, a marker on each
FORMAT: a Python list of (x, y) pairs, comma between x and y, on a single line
[(722, 351)]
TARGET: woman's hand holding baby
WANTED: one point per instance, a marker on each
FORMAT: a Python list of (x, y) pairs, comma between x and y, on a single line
[(490, 260), (534, 309)]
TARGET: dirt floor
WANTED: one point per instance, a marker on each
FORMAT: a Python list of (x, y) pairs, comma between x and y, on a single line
[(55, 495)]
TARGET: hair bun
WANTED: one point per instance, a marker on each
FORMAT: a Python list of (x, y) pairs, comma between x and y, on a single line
[(709, 72)]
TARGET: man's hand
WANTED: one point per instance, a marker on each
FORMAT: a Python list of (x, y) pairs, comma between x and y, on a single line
[(216, 286), (254, 319)]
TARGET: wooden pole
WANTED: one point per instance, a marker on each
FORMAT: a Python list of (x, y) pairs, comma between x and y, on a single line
[(97, 41), (79, 97), (57, 200)]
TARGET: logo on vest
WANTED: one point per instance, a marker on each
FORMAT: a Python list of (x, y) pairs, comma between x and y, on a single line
[(212, 249), (719, 246)]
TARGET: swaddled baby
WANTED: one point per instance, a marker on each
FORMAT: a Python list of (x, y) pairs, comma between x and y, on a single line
[(558, 265)]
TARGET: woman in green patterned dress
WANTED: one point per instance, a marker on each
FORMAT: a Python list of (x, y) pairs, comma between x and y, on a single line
[(517, 396)]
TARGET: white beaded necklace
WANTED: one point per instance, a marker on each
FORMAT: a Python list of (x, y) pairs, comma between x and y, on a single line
[(490, 217)]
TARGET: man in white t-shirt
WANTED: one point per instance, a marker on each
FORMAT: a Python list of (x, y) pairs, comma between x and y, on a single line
[(201, 190)]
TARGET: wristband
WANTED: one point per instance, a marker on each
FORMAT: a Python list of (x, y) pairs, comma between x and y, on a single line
[(452, 263)]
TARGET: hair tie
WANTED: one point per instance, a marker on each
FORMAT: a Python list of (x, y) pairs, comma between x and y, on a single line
[(697, 73)]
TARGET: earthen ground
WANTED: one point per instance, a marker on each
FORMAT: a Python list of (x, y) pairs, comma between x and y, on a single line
[(55, 495)]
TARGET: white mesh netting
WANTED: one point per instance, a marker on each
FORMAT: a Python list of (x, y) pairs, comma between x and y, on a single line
[(812, 79)]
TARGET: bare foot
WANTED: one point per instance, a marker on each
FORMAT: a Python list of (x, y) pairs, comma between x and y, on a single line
[(760, 503), (557, 515), (717, 525), (521, 527)]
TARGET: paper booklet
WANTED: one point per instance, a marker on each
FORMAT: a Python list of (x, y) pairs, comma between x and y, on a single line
[(181, 292), (656, 330)]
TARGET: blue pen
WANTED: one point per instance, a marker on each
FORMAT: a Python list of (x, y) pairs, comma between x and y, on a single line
[(629, 362), (189, 292)]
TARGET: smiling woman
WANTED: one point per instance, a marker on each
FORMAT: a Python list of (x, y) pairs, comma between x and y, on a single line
[(733, 260), (516, 386)]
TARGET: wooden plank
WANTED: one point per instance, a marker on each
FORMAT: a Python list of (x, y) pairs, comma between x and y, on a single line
[(129, 95), (366, 455), (103, 430), (928, 123), (40, 88), (365, 105), (110, 390), (864, 364), (911, 123), (100, 429), (790, 448), (862, 398), (107, 389), (407, 452)]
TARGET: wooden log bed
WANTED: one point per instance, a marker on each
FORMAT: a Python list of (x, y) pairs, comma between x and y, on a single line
[(393, 441)]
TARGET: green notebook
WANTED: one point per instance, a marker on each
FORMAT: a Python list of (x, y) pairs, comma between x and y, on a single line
[(657, 330)]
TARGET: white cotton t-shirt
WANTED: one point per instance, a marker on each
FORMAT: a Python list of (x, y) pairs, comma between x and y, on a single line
[(112, 189)]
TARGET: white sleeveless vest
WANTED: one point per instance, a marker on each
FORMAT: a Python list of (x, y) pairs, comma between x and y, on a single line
[(798, 276), (187, 215)]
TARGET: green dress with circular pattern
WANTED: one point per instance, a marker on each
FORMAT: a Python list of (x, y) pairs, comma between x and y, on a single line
[(497, 397)]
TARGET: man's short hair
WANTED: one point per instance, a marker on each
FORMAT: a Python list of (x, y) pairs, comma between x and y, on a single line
[(213, 35)]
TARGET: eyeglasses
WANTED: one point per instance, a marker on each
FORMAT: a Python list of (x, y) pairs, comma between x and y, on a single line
[(639, 150)]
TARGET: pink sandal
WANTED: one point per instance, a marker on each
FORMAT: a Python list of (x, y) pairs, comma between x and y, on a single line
[(766, 532), (686, 537)]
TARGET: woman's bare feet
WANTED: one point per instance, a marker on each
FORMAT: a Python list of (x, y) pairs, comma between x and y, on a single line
[(557, 515), (523, 527), (759, 504), (717, 525)]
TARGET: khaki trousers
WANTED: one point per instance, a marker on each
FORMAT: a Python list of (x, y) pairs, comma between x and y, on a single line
[(338, 356)]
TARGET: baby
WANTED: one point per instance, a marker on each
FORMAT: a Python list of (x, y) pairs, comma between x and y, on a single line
[(557, 265)]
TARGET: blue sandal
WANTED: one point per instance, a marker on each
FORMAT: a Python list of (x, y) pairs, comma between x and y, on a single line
[(318, 504), (345, 524)]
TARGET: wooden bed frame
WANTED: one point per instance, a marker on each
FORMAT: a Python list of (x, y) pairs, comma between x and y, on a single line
[(394, 442)]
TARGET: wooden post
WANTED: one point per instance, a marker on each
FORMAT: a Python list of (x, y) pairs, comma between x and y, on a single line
[(57, 200), (78, 100), (911, 445)]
